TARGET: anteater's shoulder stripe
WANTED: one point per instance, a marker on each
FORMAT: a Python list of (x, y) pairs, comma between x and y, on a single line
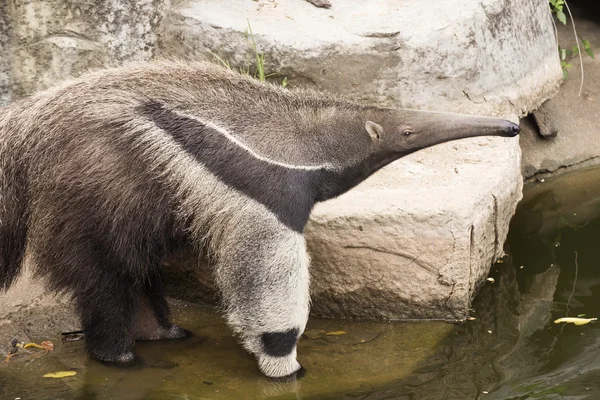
[(287, 190), (223, 131), (254, 154)]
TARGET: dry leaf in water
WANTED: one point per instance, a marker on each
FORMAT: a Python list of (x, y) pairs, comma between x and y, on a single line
[(60, 374), (576, 321), (314, 333), (45, 345), (335, 333)]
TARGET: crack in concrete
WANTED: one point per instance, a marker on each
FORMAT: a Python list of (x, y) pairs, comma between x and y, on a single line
[(470, 99), (453, 241), (445, 303), (471, 247), (543, 173), (413, 259), (495, 216), (380, 35)]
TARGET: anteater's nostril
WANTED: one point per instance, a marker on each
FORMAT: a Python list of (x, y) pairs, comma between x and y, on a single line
[(513, 130)]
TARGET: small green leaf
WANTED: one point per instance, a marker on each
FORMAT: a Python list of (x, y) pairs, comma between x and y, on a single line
[(561, 16), (563, 54), (574, 51), (588, 49), (565, 67), (284, 82)]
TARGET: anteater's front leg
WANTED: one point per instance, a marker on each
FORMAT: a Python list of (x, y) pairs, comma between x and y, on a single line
[(262, 271)]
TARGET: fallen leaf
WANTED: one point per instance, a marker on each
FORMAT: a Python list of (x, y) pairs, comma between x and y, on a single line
[(471, 318), (45, 345), (335, 333), (60, 374), (576, 321), (314, 333), (489, 331), (491, 280)]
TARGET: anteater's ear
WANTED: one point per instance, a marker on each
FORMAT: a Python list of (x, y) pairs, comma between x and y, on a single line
[(375, 130)]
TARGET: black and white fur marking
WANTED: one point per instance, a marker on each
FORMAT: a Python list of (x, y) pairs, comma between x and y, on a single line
[(104, 177)]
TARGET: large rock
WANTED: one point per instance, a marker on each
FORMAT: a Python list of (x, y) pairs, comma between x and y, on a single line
[(45, 41), (491, 56), (417, 239)]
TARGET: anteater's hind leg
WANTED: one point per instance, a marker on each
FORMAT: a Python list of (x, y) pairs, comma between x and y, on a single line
[(262, 271), (152, 314), (103, 287), (108, 305)]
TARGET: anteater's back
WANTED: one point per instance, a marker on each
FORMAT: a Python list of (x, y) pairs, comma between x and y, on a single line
[(78, 163), (81, 162)]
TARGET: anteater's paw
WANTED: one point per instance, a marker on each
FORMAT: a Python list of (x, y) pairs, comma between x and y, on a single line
[(161, 333), (175, 332), (125, 359)]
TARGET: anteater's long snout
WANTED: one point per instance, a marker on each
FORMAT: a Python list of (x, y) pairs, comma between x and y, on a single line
[(512, 129)]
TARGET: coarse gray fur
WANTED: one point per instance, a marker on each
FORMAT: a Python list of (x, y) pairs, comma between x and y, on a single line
[(103, 177)]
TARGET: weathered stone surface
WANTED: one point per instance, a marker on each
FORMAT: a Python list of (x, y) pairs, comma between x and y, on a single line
[(45, 41), (416, 239), (574, 116), (5, 78), (491, 57)]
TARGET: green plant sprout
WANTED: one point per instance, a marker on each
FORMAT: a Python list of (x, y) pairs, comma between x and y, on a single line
[(259, 58), (557, 8)]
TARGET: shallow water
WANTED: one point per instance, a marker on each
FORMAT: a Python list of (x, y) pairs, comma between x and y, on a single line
[(513, 350)]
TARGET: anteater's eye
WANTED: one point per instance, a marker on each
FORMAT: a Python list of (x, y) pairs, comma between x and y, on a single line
[(407, 132)]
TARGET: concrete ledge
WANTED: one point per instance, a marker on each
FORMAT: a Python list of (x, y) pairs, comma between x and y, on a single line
[(417, 239)]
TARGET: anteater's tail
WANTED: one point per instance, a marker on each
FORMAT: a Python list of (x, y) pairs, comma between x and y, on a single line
[(13, 212)]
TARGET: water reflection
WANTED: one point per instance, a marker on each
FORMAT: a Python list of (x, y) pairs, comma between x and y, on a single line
[(553, 271)]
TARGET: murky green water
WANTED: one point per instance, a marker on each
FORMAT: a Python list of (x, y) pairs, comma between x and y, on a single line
[(513, 350)]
